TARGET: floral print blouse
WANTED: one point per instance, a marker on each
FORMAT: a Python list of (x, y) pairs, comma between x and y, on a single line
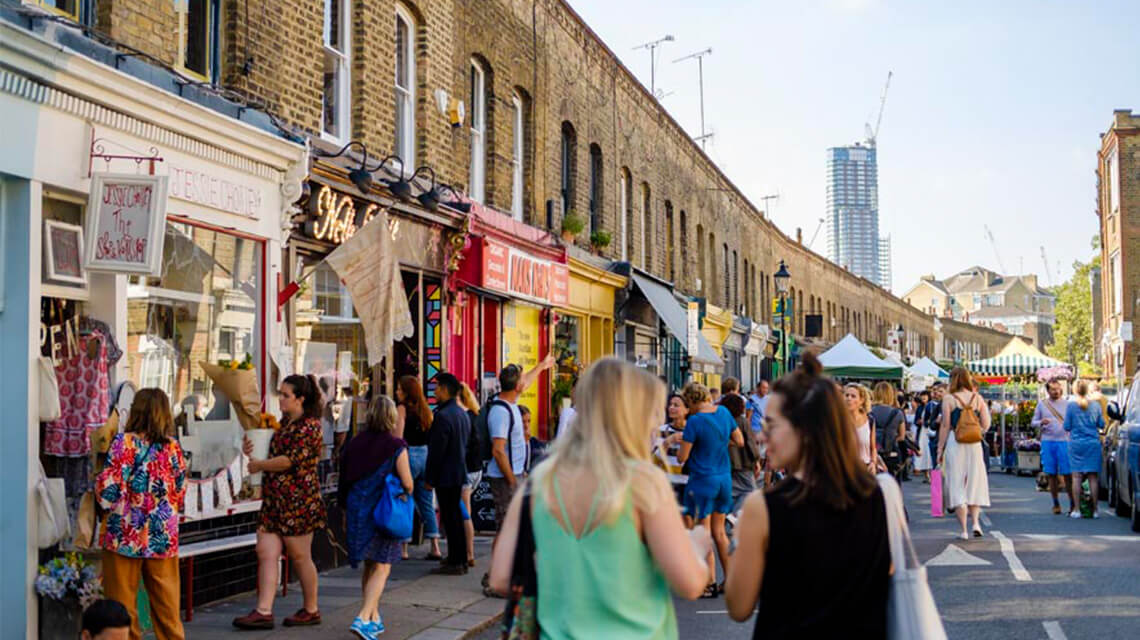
[(142, 488)]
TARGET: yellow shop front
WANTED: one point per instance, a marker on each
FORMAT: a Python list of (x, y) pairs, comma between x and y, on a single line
[(715, 326)]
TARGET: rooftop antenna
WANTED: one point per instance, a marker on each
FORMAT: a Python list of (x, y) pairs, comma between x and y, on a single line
[(705, 135), (765, 199), (652, 47)]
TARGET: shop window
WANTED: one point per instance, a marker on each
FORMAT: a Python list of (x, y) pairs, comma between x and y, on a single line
[(568, 356), (569, 159), (195, 312), (198, 22), (336, 98), (478, 174), (518, 138), (405, 87), (332, 298)]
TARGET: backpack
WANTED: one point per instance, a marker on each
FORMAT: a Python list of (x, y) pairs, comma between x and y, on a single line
[(969, 427), (474, 457), (482, 431)]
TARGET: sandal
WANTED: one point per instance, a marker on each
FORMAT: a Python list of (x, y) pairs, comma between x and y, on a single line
[(710, 591)]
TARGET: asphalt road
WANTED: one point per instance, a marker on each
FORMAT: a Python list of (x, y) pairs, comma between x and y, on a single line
[(1058, 578)]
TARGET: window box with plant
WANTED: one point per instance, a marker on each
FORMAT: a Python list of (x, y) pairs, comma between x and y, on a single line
[(600, 239), (572, 225)]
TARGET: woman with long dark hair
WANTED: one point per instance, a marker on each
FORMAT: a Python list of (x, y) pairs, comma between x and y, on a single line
[(367, 461), (142, 488), (812, 550), (412, 424), (291, 505)]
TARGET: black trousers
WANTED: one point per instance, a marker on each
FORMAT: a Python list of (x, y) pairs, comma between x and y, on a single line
[(449, 512)]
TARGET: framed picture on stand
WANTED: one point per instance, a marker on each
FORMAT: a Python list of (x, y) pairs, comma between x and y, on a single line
[(63, 244)]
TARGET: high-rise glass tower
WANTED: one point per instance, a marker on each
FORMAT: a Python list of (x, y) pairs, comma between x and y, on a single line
[(853, 211)]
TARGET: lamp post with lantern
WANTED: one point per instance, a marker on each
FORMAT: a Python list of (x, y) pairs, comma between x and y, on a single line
[(782, 277)]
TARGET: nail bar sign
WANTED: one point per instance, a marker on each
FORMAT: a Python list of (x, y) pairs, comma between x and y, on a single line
[(519, 273), (126, 219)]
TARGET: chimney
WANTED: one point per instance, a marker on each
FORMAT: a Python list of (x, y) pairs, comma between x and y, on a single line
[(799, 235), (1031, 281)]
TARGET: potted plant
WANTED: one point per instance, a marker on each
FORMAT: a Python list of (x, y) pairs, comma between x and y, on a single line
[(600, 239), (572, 225), (66, 586)]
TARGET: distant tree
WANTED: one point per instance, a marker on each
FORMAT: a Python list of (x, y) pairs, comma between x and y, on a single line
[(1073, 333)]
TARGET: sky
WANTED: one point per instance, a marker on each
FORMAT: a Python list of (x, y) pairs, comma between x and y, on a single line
[(993, 117)]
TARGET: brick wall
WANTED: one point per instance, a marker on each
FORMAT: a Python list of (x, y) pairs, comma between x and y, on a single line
[(542, 50), (1120, 229)]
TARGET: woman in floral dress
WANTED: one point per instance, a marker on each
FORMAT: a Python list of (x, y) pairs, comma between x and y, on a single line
[(291, 505), (142, 488)]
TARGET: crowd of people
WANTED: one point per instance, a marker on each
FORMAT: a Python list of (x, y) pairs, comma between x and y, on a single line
[(639, 494)]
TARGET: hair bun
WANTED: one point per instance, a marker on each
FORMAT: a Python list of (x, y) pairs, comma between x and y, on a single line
[(810, 365)]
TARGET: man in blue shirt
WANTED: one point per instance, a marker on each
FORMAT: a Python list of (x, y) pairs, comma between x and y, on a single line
[(758, 404)]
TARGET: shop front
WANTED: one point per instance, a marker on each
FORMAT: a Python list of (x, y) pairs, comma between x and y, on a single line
[(716, 326), (585, 328), (753, 369), (734, 348), (146, 229), (510, 280), (659, 331)]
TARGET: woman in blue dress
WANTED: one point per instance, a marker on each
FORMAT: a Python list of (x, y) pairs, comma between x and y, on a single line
[(709, 431), (365, 464), (1084, 421)]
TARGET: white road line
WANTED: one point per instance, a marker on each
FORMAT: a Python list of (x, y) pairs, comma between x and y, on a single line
[(986, 520), (1015, 566), (712, 612), (1053, 630)]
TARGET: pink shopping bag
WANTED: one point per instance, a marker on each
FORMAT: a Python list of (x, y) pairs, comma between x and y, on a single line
[(936, 493)]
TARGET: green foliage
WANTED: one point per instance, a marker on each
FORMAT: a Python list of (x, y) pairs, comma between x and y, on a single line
[(573, 223), (600, 239), (1073, 333)]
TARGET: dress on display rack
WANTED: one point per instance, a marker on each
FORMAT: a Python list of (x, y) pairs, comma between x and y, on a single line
[(83, 397)]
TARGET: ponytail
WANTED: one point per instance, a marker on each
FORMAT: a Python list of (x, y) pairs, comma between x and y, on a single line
[(1082, 389)]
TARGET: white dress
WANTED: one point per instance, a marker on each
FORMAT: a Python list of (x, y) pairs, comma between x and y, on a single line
[(924, 461), (965, 471)]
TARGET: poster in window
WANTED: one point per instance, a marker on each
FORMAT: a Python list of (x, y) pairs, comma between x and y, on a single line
[(126, 215), (64, 252)]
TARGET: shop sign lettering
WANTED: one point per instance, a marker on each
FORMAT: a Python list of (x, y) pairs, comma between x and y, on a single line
[(334, 216), (126, 221), (521, 274), (215, 192)]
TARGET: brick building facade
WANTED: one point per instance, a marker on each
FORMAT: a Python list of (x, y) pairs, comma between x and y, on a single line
[(1118, 207), (629, 168)]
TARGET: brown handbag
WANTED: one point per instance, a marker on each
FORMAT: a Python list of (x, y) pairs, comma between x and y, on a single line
[(969, 427)]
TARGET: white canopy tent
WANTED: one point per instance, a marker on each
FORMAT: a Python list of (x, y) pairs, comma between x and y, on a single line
[(850, 358)]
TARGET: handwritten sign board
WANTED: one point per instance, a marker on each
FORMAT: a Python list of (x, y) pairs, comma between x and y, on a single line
[(126, 219)]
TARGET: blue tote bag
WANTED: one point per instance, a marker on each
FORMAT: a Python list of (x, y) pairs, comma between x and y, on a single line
[(394, 512)]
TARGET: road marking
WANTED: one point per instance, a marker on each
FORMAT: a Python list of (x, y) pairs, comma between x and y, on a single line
[(1015, 566), (1053, 630), (1119, 538), (712, 612), (986, 519), (954, 556), (1044, 536)]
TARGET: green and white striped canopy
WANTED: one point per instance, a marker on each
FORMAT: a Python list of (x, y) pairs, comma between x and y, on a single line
[(1012, 364)]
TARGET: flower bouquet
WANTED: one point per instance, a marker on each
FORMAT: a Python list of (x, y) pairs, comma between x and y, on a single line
[(1028, 444), (237, 380), (66, 586)]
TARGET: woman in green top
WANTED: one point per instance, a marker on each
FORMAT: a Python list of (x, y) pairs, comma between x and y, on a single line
[(608, 533)]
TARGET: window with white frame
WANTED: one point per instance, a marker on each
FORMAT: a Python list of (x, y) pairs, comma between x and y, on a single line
[(518, 133), (337, 84), (477, 189), (405, 87), (1113, 173)]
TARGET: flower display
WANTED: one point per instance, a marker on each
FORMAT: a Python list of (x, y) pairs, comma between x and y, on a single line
[(69, 575)]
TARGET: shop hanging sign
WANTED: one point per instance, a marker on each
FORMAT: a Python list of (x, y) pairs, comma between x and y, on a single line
[(524, 276), (126, 220)]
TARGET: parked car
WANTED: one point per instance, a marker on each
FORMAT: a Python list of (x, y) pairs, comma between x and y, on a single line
[(1123, 476)]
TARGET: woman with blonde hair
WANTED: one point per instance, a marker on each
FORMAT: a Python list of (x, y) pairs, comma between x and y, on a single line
[(607, 533), (365, 464), (469, 404), (142, 488), (889, 423), (962, 462), (1084, 421), (858, 400)]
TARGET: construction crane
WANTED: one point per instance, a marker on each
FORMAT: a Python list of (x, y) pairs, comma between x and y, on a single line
[(873, 134), (993, 243), (1048, 272)]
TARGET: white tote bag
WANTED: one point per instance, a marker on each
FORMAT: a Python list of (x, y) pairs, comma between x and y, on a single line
[(49, 391), (52, 522), (911, 612)]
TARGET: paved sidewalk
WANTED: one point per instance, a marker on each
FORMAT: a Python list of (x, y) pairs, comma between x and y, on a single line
[(415, 606)]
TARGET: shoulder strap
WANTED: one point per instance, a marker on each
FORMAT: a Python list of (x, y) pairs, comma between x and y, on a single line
[(903, 554), (510, 430), (1053, 410)]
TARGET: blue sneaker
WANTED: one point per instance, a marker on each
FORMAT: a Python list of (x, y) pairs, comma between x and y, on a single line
[(378, 626), (363, 629)]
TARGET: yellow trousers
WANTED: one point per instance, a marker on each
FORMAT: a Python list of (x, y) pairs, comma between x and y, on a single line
[(121, 575)]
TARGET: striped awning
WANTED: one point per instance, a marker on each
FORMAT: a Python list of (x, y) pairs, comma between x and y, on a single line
[(1012, 364)]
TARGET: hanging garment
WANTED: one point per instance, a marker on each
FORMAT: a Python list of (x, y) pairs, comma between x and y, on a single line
[(83, 394)]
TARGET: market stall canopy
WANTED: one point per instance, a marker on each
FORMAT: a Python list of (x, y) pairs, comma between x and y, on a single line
[(927, 367), (891, 358), (1017, 358), (849, 358), (667, 308)]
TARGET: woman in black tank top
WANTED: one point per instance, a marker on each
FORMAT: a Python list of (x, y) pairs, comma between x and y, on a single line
[(813, 551)]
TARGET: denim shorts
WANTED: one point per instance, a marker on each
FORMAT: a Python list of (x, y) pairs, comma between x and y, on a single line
[(705, 495), (1055, 457)]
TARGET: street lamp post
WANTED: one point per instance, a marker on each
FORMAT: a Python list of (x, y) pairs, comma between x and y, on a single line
[(782, 277)]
